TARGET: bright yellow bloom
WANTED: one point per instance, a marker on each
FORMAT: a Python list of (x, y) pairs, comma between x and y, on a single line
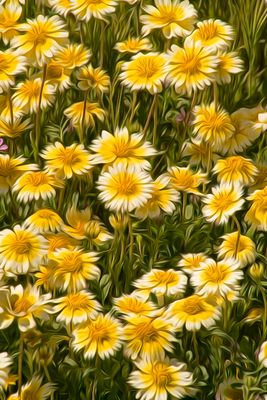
[(212, 125), (148, 337), (193, 312), (133, 45), (14, 129), (21, 250), (57, 75), (224, 201), (93, 78), (59, 241), (101, 336), (191, 68), (156, 379), (161, 282), (5, 363), (11, 169), (76, 308), (133, 305), (124, 188), (257, 214), (235, 169), (191, 262), (11, 64), (9, 16), (66, 161), (41, 38), (262, 356), (238, 247), (34, 390), (199, 152), (27, 95), (182, 178), (80, 113), (35, 185), (229, 63), (73, 267), (45, 277), (6, 111), (163, 199), (218, 278), (174, 18), (86, 9), (72, 56), (122, 147), (144, 71), (61, 7), (44, 220), (213, 34)]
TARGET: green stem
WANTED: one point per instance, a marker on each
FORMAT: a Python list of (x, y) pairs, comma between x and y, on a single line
[(38, 116), (264, 317), (195, 345), (238, 234), (133, 107), (151, 111), (215, 95), (20, 361)]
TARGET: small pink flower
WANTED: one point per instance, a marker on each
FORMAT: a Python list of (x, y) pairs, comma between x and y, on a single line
[(2, 145)]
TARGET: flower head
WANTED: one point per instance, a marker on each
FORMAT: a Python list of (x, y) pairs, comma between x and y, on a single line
[(191, 262), (134, 305), (257, 214), (229, 63), (44, 220), (11, 168), (93, 78), (182, 178), (72, 56), (9, 16), (34, 390), (79, 114), (133, 45), (237, 247), (86, 9), (5, 363), (15, 128), (235, 170), (11, 64), (212, 34)]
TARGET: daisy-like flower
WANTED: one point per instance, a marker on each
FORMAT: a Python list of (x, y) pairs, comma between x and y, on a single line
[(45, 277), (257, 214), (191, 67), (93, 78), (86, 9), (262, 356), (101, 336), (80, 113), (11, 64), (123, 147), (124, 188), (5, 363), (44, 220), (191, 262), (174, 18), (21, 250), (193, 312), (236, 170), (27, 95), (199, 152), (66, 161), (14, 129), (76, 308), (162, 282), (7, 112), (229, 63), (163, 199), (11, 169), (182, 178), (238, 247), (9, 16), (212, 125), (213, 34), (156, 379), (144, 71), (61, 7), (36, 185), (133, 45), (218, 278), (72, 56), (223, 202), (41, 38), (73, 267), (34, 390), (148, 337), (133, 305), (59, 241)]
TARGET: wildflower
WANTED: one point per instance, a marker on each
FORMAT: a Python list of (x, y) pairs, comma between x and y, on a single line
[(44, 220), (34, 390), (212, 34), (80, 113), (119, 221), (72, 56), (224, 201), (256, 271), (133, 305), (11, 168), (174, 18), (133, 45), (11, 64), (57, 75), (262, 356), (86, 9), (238, 247), (144, 71), (199, 152), (9, 16), (101, 336), (5, 363), (61, 7), (122, 148), (257, 213), (124, 188), (14, 129), (59, 241), (9, 113), (93, 78), (191, 262), (235, 169), (45, 277), (229, 63), (186, 180)]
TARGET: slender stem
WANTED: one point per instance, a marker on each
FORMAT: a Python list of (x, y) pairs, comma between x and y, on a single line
[(102, 43), (155, 122), (184, 201), (83, 116), (150, 114), (195, 344), (264, 317), (38, 114), (133, 107), (238, 234), (20, 361), (215, 95), (11, 109)]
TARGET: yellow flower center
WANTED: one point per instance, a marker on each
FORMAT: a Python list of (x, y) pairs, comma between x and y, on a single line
[(146, 332), (166, 277), (223, 201), (122, 150), (126, 185), (76, 301), (72, 263), (54, 72), (45, 214), (191, 65), (161, 375), (208, 31), (93, 229), (23, 304), (38, 178), (99, 332), (193, 306), (4, 63), (147, 67), (216, 273), (69, 157)]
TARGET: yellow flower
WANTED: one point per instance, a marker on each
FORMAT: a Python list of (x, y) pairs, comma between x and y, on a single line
[(175, 18), (229, 63), (156, 379), (72, 56), (5, 363), (182, 178), (133, 305), (11, 64), (144, 71), (199, 152), (86, 9), (260, 180), (163, 199), (133, 45), (101, 336), (27, 95), (235, 169), (57, 75), (213, 34), (21, 250), (6, 110), (34, 390), (44, 220), (41, 38), (9, 16), (238, 247), (124, 188), (257, 214), (35, 185), (191, 68), (61, 7), (73, 267), (193, 312), (262, 356), (45, 277), (224, 201), (80, 113), (14, 129), (161, 282), (11, 169), (122, 147), (191, 262), (59, 241), (218, 278), (93, 78), (76, 308), (212, 125), (148, 337)]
